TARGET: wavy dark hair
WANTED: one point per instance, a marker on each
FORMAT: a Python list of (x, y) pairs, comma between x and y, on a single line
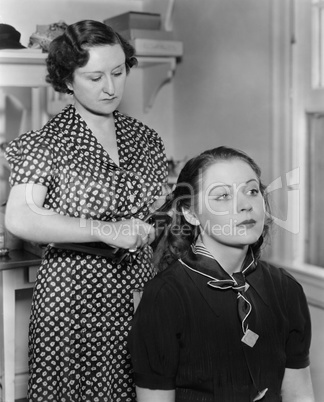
[(180, 234), (70, 51)]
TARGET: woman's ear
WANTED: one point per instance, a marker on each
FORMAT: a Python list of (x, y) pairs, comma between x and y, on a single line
[(69, 86), (190, 217)]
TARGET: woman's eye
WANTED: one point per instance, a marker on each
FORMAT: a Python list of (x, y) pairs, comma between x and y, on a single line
[(253, 191), (96, 79), (221, 193), (118, 73), (221, 197)]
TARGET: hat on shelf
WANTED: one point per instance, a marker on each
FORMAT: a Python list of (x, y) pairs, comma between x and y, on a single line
[(9, 37)]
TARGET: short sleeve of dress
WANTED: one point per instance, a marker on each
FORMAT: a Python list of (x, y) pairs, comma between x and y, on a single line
[(299, 338), (30, 160), (154, 338)]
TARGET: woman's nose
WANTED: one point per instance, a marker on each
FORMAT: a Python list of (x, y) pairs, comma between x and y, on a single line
[(109, 86), (242, 204)]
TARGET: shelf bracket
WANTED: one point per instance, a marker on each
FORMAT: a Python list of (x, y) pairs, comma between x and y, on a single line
[(168, 20), (157, 72)]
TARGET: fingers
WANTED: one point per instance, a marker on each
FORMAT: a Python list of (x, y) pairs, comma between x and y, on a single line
[(143, 234)]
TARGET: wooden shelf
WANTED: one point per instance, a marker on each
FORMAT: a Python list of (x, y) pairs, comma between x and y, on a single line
[(21, 68), (22, 56), (24, 68)]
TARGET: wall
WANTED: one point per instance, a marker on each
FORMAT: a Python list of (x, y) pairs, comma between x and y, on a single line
[(223, 86)]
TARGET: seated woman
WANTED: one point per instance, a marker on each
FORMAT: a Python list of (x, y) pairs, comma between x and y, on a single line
[(219, 324)]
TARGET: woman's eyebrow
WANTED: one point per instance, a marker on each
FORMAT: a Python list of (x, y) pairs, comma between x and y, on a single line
[(100, 71), (249, 181), (217, 185)]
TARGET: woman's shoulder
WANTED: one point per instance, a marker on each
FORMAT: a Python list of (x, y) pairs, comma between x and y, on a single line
[(46, 134), (140, 127), (42, 140), (278, 275), (126, 118), (57, 124), (31, 141), (171, 279), (165, 289), (275, 270)]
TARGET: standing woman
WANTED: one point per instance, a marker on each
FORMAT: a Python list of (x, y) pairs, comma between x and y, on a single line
[(90, 174), (220, 324)]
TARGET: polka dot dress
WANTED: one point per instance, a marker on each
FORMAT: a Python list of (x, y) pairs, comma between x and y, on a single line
[(83, 304)]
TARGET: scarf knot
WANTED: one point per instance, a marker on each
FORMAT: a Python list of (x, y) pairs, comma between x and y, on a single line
[(236, 281)]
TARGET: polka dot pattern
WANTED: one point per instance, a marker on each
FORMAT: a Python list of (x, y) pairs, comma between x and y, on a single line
[(83, 304)]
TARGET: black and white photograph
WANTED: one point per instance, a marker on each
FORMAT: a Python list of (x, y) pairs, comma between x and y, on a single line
[(161, 184)]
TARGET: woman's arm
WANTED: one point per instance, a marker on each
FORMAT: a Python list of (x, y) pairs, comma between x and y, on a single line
[(297, 386), (156, 395), (27, 219)]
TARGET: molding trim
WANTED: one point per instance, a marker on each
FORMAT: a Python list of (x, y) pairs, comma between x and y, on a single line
[(21, 381)]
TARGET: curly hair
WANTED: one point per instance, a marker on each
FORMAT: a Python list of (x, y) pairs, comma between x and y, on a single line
[(70, 51), (180, 234)]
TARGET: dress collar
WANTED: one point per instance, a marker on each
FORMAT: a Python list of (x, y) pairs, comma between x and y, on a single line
[(201, 261)]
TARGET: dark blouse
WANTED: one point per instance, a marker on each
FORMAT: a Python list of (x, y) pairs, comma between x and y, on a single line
[(186, 335)]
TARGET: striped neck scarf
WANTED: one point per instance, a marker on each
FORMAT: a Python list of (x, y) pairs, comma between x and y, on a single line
[(221, 280)]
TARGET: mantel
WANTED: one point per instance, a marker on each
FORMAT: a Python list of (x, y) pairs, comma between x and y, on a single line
[(21, 68), (26, 68)]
